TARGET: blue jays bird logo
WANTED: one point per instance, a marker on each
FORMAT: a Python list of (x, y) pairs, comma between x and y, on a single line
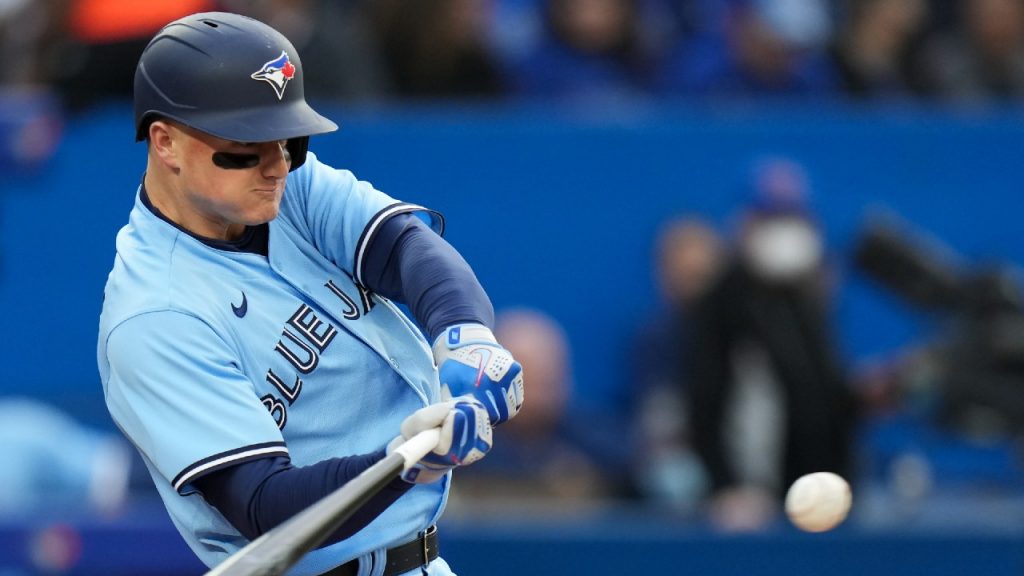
[(277, 73)]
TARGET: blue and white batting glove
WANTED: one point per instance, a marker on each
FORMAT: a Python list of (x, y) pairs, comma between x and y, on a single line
[(472, 363), (465, 437)]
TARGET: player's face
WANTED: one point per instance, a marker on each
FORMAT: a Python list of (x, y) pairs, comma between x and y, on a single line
[(230, 185)]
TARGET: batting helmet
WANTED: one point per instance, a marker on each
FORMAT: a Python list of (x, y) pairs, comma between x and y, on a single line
[(230, 76)]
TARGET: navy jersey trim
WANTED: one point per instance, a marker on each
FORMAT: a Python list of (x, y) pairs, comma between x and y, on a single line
[(255, 239), (226, 459), (378, 219)]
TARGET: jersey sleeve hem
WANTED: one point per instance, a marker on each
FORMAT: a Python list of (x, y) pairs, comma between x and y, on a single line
[(435, 221), (224, 460)]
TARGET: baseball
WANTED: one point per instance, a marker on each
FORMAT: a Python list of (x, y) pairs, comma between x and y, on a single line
[(818, 502)]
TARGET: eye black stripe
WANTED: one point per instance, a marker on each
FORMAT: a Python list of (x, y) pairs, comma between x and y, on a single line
[(235, 161)]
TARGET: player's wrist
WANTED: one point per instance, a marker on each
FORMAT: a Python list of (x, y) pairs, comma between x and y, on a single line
[(459, 335)]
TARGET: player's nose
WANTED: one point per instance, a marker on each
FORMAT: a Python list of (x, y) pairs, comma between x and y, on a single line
[(275, 160)]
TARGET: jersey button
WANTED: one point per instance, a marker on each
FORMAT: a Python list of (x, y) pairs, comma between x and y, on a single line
[(394, 363)]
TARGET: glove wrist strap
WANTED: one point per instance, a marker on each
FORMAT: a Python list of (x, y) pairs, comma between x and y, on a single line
[(461, 335)]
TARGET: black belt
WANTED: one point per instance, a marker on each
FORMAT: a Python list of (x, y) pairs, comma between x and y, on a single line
[(400, 559)]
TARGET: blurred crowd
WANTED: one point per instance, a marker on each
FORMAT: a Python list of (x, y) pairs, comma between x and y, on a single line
[(738, 385), (380, 50)]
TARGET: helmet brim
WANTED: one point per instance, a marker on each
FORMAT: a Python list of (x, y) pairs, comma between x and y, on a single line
[(261, 124)]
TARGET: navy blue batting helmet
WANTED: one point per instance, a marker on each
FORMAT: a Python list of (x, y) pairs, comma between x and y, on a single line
[(230, 76)]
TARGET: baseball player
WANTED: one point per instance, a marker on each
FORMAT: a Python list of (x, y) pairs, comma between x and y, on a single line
[(249, 345)]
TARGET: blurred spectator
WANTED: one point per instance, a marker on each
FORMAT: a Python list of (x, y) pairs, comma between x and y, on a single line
[(437, 48), (515, 27), (340, 53), (30, 128), (691, 18), (535, 462), (102, 43), (880, 50), (594, 49), (769, 394), (757, 48), (29, 29), (55, 463), (984, 60), (687, 260)]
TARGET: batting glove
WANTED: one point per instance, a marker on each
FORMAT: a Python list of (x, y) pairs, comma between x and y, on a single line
[(472, 363), (465, 437)]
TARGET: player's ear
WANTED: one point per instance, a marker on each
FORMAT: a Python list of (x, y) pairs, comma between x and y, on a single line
[(163, 145)]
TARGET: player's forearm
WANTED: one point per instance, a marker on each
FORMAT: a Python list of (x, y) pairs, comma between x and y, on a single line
[(257, 496), (410, 263)]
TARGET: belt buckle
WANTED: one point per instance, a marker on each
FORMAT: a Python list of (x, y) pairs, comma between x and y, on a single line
[(424, 539)]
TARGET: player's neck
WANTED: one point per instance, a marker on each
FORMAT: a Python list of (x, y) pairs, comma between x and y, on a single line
[(166, 196)]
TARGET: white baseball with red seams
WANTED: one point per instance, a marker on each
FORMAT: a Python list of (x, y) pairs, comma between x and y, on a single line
[(819, 501)]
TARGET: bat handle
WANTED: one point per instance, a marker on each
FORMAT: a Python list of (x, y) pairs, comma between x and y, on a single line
[(414, 449)]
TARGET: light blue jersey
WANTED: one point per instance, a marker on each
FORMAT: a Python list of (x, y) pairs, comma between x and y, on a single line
[(210, 358)]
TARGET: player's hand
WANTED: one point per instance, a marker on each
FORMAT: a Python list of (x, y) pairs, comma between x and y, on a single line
[(472, 363), (465, 437)]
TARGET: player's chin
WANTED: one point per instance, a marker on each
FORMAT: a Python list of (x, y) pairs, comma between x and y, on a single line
[(269, 204), (265, 212)]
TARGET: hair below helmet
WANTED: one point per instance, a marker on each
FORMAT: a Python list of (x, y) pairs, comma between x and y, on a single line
[(229, 76)]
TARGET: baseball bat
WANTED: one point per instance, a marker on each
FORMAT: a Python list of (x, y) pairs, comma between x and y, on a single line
[(279, 549)]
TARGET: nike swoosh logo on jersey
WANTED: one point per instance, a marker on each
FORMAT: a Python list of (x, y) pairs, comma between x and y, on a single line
[(241, 309)]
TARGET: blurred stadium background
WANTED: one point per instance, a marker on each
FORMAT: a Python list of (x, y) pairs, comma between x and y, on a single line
[(558, 137)]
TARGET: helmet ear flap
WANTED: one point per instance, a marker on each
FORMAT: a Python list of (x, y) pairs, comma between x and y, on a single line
[(297, 148)]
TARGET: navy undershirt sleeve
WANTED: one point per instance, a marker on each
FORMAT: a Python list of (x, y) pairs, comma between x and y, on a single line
[(408, 262), (258, 495)]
